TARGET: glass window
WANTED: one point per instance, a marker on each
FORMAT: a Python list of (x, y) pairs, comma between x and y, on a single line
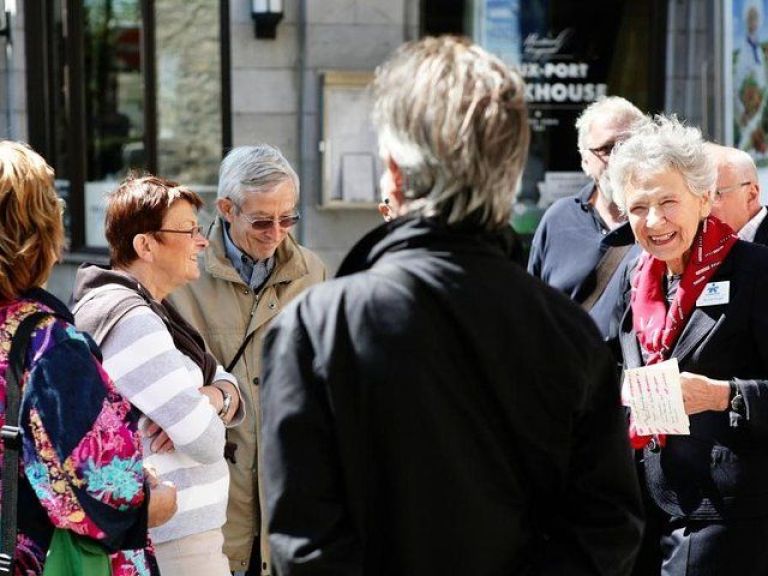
[(120, 86), (114, 104), (569, 59)]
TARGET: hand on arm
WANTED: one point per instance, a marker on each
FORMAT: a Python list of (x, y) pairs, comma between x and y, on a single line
[(162, 500), (161, 442), (217, 393)]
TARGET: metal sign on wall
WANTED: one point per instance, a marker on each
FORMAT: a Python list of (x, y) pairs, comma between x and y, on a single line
[(565, 54)]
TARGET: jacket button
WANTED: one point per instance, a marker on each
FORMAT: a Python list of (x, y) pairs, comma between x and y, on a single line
[(246, 291), (256, 381)]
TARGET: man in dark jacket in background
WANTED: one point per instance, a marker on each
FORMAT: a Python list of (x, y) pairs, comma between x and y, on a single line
[(436, 410), (583, 242)]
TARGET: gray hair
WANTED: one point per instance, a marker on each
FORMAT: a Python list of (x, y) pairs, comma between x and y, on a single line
[(659, 145), (253, 168), (453, 118), (621, 110)]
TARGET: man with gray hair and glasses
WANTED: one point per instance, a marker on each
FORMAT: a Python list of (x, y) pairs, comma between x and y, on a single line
[(736, 200), (435, 409), (250, 270), (582, 240)]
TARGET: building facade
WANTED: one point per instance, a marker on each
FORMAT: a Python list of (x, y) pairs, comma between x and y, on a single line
[(104, 87)]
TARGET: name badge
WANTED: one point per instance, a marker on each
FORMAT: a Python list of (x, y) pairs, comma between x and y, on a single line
[(715, 293)]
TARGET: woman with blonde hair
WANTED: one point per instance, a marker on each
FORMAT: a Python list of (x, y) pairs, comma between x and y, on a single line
[(80, 465)]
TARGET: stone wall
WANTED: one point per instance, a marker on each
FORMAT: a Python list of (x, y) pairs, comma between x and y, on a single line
[(694, 83), (266, 80)]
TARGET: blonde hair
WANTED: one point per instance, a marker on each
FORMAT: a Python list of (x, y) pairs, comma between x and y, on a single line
[(31, 227), (453, 118)]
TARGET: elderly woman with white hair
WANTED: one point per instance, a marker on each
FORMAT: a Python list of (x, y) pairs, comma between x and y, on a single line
[(699, 295)]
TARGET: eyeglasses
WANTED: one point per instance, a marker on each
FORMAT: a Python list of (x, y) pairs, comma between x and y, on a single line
[(262, 224), (604, 150), (725, 189), (192, 232)]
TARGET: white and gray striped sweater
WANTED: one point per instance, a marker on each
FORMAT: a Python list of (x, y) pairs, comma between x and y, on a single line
[(163, 383)]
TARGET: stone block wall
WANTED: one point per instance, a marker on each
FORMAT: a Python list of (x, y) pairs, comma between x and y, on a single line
[(694, 83), (267, 77)]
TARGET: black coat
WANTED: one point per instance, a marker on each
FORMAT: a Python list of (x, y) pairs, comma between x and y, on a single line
[(720, 471), (761, 236), (438, 411)]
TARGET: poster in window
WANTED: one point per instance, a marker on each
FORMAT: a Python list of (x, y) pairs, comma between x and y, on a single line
[(566, 56), (746, 63)]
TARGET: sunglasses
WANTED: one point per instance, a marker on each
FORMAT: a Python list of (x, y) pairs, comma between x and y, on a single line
[(604, 150), (262, 224)]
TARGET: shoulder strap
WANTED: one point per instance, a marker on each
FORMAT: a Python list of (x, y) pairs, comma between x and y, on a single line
[(607, 266), (11, 437), (239, 352)]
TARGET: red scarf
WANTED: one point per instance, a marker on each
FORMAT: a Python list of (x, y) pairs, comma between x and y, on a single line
[(658, 327)]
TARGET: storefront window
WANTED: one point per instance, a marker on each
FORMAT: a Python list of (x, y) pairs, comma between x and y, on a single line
[(121, 86), (569, 58)]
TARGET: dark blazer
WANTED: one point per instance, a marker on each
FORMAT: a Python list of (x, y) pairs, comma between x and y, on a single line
[(721, 469), (761, 236)]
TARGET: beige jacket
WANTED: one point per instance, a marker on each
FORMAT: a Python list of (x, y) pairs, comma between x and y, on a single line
[(223, 308)]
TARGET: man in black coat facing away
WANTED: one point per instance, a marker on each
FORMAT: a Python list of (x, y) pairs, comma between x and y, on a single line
[(435, 410)]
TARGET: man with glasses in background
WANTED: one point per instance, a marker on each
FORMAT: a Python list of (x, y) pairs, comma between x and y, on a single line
[(737, 197), (582, 240), (250, 270)]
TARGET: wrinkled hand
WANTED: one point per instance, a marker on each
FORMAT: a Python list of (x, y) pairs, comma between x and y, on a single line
[(214, 395), (161, 443), (701, 393), (162, 502)]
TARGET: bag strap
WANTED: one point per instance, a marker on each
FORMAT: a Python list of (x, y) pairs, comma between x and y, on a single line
[(10, 434), (604, 271), (239, 352)]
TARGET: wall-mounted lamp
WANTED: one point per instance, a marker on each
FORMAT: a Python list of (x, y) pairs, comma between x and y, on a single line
[(5, 29), (266, 16)]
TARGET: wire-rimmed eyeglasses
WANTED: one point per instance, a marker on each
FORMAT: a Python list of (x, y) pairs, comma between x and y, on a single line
[(192, 232), (725, 189)]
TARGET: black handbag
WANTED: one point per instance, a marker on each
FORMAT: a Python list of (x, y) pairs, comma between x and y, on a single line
[(10, 434)]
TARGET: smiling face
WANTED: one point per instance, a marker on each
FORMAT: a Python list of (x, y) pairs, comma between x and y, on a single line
[(278, 203), (664, 215), (174, 256)]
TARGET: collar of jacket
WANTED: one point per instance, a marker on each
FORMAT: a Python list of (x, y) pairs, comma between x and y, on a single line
[(290, 263), (417, 232)]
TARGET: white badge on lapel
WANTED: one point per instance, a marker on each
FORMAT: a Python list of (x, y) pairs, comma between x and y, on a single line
[(715, 293)]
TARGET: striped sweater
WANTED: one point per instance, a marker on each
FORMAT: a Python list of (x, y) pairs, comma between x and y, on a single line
[(140, 356)]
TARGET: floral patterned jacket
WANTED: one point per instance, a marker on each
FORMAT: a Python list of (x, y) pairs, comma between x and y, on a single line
[(80, 466)]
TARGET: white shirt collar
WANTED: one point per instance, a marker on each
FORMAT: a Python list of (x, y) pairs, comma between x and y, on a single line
[(749, 229)]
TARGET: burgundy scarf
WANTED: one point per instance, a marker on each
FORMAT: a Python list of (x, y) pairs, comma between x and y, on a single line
[(658, 327)]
